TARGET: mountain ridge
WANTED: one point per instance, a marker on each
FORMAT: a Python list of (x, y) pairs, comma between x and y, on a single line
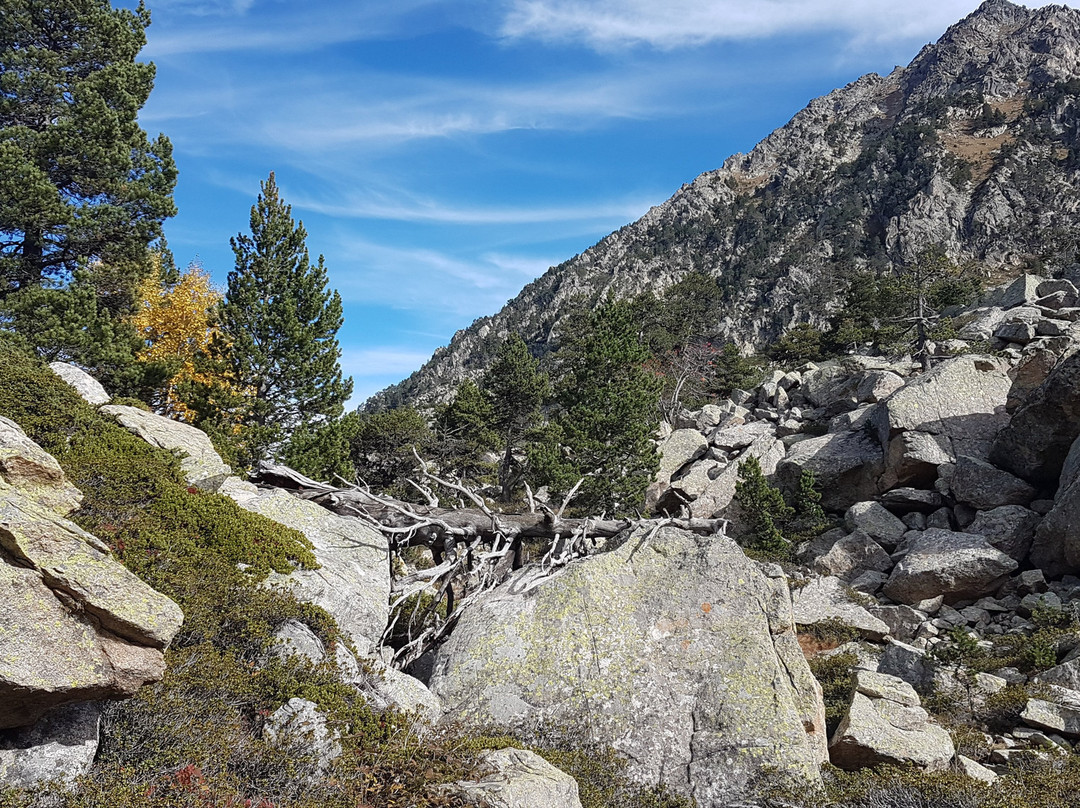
[(972, 147)]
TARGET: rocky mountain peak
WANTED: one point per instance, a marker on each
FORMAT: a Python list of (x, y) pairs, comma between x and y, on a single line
[(973, 148), (999, 50)]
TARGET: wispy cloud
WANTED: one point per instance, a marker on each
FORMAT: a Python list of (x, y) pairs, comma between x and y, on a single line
[(606, 24), (236, 25), (401, 206), (430, 280), (381, 361), (374, 368)]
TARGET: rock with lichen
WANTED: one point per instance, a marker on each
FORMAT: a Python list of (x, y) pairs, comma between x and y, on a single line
[(673, 648)]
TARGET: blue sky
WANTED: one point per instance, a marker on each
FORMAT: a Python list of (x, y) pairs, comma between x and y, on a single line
[(443, 153)]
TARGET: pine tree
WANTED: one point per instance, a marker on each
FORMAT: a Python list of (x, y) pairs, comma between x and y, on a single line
[(465, 435), (282, 324), (608, 414), (516, 389), (765, 510), (80, 182)]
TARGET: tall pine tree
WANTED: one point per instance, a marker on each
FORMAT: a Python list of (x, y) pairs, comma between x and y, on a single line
[(516, 389), (282, 323), (608, 414), (80, 182)]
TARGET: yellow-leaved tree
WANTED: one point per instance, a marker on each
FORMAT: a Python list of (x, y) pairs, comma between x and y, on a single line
[(179, 326)]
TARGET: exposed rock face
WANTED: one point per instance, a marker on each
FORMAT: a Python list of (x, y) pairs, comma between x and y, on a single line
[(846, 466), (88, 388), (353, 580), (61, 747), (77, 626), (200, 462), (677, 648), (886, 725), (941, 562), (962, 399), (519, 778), (34, 472), (1038, 439), (804, 192)]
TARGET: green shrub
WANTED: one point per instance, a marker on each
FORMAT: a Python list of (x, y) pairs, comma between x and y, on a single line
[(774, 525), (835, 674), (599, 770), (194, 739)]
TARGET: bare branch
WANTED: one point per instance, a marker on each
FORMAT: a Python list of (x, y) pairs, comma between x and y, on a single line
[(569, 497)]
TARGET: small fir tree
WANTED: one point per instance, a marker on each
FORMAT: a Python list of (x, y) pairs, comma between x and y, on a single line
[(282, 323), (465, 434), (516, 389), (764, 509), (608, 414)]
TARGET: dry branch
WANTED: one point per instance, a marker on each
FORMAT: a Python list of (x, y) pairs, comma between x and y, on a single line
[(474, 549)]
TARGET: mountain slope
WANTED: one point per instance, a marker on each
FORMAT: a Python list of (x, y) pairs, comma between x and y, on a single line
[(974, 147)]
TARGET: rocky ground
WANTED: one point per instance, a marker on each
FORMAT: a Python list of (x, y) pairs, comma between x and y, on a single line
[(945, 592)]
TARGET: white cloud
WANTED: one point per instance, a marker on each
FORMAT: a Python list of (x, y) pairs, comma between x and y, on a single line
[(401, 206), (606, 24), (429, 280), (381, 361), (238, 25), (374, 368)]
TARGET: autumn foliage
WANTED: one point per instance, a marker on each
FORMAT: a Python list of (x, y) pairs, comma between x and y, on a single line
[(178, 323)]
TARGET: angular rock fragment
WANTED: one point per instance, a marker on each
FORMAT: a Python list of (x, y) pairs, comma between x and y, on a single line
[(942, 562)]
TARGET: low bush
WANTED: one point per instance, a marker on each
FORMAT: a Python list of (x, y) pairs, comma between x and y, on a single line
[(599, 770), (835, 674)]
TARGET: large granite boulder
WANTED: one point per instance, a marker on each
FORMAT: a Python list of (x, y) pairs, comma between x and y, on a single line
[(851, 556), (88, 388), (839, 379), (353, 579), (199, 461), (941, 562), (885, 724), (1056, 547), (912, 459), (1037, 440), (962, 399), (1009, 528), (77, 626), (681, 447), (846, 466), (983, 485), (1063, 718), (674, 648), (34, 472), (74, 562), (518, 778), (830, 600), (876, 521), (58, 748)]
